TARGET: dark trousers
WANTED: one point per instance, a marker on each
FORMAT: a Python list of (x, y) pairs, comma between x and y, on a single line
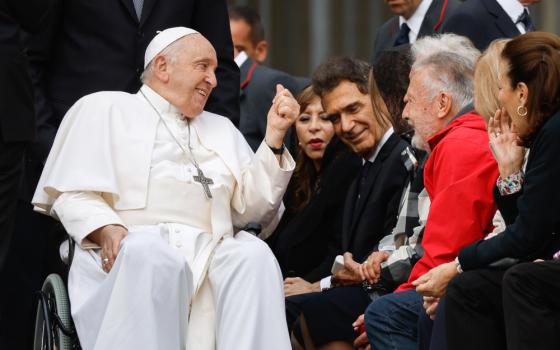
[(473, 311), (531, 299), (329, 315), (391, 321), (485, 309)]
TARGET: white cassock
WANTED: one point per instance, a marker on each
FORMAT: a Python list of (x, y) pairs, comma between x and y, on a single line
[(114, 162)]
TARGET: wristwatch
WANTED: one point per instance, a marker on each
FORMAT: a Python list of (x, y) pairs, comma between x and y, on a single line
[(277, 150)]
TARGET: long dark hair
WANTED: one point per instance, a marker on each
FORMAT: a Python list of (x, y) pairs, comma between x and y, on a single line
[(305, 174), (534, 59)]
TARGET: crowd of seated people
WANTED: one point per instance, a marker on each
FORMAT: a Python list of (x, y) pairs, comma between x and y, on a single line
[(479, 161), (440, 156), (307, 238)]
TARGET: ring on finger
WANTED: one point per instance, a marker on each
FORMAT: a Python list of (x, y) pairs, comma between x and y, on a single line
[(105, 261)]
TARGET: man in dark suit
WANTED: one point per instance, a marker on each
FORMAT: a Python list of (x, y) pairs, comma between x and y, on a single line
[(258, 82), (17, 124), (483, 21), (372, 202), (414, 19)]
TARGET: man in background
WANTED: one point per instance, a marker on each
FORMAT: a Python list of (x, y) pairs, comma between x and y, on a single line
[(413, 19), (483, 21), (258, 82)]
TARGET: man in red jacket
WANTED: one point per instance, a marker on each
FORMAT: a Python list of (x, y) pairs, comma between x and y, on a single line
[(459, 177)]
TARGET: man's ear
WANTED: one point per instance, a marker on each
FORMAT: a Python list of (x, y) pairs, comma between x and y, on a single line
[(160, 68), (261, 51), (444, 104)]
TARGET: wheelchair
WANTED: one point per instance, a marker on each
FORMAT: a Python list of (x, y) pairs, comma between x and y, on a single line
[(54, 328)]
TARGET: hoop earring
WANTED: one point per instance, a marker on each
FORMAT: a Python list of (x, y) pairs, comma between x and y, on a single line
[(522, 111)]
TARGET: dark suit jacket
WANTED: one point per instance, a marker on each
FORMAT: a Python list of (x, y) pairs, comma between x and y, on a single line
[(371, 218), (388, 32), (17, 114), (306, 242), (258, 88), (482, 21), (532, 233)]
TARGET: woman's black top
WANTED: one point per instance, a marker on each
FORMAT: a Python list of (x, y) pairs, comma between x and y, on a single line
[(532, 215), (306, 243)]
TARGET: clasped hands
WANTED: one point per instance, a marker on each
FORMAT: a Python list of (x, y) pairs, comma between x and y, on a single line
[(351, 274)]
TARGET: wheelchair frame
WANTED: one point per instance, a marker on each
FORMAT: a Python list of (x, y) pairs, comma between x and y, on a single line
[(54, 328)]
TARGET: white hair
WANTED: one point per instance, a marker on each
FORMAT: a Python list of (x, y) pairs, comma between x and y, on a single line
[(429, 45), (171, 53), (451, 59)]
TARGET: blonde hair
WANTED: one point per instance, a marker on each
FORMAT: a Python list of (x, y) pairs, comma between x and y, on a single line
[(486, 79)]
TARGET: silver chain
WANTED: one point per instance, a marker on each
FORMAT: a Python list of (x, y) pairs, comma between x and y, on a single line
[(192, 158)]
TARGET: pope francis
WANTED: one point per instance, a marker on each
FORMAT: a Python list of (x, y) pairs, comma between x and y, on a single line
[(154, 190)]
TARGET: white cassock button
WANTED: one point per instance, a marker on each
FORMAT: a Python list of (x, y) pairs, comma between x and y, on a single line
[(178, 244), (177, 230)]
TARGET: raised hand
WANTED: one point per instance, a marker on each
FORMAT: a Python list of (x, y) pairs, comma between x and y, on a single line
[(504, 144), (281, 116)]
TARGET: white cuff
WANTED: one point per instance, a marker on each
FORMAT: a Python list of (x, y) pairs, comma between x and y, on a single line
[(325, 283), (81, 213)]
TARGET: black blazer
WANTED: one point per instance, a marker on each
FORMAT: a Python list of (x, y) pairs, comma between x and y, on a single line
[(388, 32), (17, 116), (482, 21), (371, 218), (258, 88), (532, 234), (306, 243)]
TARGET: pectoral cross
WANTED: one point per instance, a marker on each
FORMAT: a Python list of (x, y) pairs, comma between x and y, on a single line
[(204, 181)]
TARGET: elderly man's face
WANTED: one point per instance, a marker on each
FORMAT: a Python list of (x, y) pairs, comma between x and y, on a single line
[(351, 112), (192, 75), (405, 8), (420, 110)]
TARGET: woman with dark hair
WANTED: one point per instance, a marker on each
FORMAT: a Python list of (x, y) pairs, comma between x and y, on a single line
[(308, 236), (489, 305)]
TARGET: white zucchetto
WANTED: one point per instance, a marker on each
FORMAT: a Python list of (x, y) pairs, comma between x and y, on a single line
[(163, 39)]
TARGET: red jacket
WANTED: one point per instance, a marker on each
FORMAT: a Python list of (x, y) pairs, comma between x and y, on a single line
[(459, 176)]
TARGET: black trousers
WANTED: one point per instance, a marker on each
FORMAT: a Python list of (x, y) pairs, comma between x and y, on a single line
[(329, 314), (514, 309), (531, 299)]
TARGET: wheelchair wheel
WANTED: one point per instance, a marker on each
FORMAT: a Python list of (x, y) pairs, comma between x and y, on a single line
[(54, 329)]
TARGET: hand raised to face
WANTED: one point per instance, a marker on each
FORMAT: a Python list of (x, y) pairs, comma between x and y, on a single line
[(504, 144)]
